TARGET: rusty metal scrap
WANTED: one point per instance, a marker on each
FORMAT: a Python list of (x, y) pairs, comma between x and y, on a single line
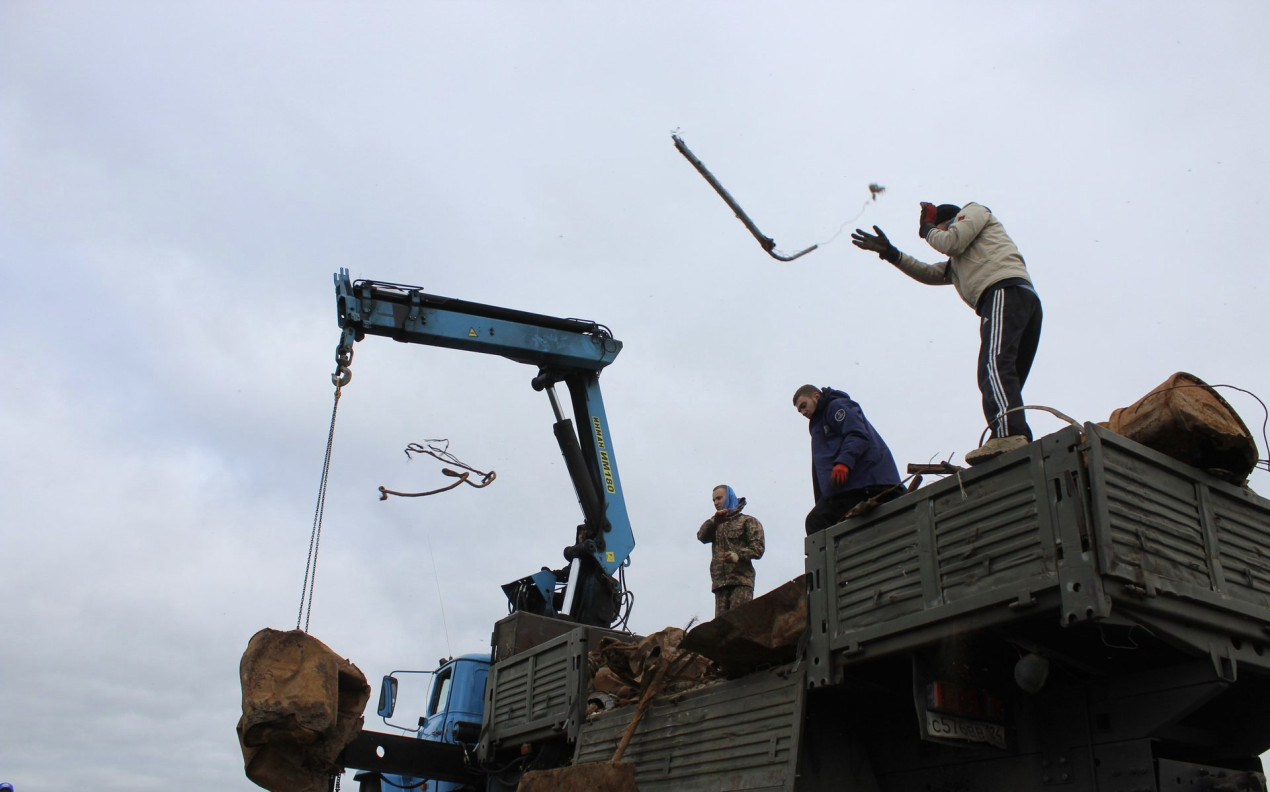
[(760, 633), (621, 669), (916, 470), (442, 452), (609, 776), (1185, 418), (301, 705), (767, 243), (936, 468)]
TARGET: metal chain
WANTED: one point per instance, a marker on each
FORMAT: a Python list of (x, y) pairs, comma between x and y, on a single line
[(341, 377)]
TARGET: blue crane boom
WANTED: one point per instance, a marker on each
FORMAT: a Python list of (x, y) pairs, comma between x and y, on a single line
[(572, 351)]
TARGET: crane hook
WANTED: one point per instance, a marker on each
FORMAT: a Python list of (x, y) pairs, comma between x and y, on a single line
[(343, 360)]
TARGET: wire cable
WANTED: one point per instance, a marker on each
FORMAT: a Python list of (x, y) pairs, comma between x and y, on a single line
[(315, 537)]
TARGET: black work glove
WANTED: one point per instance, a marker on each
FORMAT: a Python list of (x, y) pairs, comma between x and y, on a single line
[(878, 244), (927, 221)]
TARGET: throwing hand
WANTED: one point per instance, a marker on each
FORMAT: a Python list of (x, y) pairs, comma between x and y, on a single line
[(877, 244)]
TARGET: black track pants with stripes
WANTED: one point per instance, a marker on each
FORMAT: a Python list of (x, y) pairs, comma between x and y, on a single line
[(1009, 330)]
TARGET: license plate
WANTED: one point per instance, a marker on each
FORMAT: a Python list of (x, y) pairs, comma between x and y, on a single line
[(950, 727)]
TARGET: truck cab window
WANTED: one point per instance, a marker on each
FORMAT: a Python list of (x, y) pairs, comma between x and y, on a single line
[(440, 698)]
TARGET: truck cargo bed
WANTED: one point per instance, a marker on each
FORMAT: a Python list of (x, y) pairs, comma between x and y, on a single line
[(1079, 526)]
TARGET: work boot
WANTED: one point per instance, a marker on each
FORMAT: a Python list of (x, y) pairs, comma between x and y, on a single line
[(995, 448)]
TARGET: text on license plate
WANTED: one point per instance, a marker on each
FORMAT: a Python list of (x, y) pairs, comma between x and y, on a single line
[(950, 727)]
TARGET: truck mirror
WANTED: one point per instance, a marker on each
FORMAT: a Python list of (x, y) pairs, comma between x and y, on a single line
[(387, 696)]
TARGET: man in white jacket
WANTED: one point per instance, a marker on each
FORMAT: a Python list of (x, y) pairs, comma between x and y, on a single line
[(989, 273)]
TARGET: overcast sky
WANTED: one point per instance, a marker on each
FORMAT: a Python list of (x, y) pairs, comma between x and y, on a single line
[(179, 182)]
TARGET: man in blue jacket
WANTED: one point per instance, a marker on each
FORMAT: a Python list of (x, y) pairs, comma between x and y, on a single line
[(849, 459)]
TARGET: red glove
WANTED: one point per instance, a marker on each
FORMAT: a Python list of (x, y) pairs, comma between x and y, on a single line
[(840, 472), (927, 221)]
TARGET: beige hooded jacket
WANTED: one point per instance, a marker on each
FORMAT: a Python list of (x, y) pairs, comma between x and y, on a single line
[(980, 254)]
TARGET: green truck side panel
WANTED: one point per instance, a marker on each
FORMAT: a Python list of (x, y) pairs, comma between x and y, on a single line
[(737, 734), (538, 695), (1087, 525)]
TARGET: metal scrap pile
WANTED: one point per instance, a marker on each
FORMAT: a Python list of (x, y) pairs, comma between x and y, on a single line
[(621, 670), (758, 634)]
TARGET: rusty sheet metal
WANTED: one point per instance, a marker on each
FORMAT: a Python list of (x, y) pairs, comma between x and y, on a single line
[(620, 669), (760, 633), (302, 704), (606, 776), (1186, 419)]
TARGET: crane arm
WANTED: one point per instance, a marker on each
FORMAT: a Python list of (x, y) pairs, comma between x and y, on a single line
[(408, 314), (571, 351)]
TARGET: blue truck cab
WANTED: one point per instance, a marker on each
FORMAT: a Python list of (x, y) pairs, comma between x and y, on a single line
[(455, 705)]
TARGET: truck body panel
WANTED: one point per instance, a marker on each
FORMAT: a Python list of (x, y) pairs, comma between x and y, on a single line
[(734, 734), (1086, 526), (537, 695), (537, 688)]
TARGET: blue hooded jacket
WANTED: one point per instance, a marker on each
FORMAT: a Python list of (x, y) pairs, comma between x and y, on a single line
[(840, 434)]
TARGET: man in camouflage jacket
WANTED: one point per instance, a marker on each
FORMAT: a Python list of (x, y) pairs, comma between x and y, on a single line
[(737, 540)]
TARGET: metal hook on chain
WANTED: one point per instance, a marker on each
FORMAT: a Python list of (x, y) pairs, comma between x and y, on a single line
[(343, 360)]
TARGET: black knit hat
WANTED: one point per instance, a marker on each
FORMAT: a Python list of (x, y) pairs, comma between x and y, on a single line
[(946, 212)]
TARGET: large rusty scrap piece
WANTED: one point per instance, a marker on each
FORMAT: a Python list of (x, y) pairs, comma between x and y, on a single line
[(1186, 419), (763, 632), (302, 705), (585, 777)]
